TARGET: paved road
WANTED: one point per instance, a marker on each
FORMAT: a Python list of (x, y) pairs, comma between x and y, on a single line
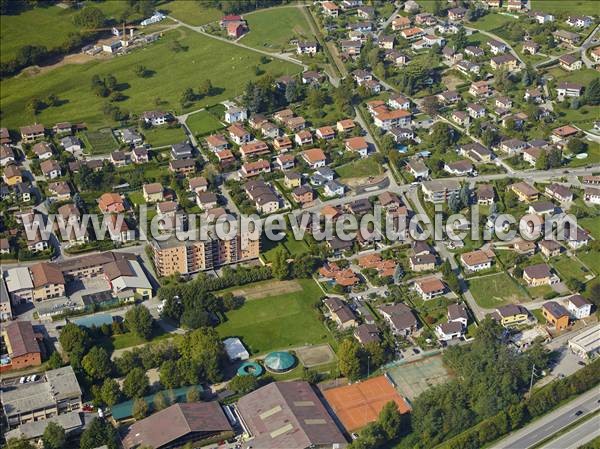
[(552, 422), (577, 436)]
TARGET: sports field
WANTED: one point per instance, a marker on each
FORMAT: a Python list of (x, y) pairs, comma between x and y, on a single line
[(280, 321), (414, 378), (227, 66), (359, 404), (272, 29), (496, 290)]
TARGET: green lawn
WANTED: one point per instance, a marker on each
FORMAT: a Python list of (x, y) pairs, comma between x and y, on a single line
[(191, 12), (537, 313), (203, 122), (360, 168), (491, 21), (136, 197), (541, 291), (591, 259), (100, 142), (569, 267), (593, 157), (496, 290), (164, 135), (589, 7), (272, 29), (48, 26), (278, 322), (591, 224), (478, 39), (227, 66)]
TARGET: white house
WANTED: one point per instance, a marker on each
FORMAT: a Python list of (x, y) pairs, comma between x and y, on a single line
[(579, 307), (333, 188), (235, 114), (449, 331), (307, 48)]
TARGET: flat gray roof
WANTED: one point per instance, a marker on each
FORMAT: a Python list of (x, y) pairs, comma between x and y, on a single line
[(58, 384), (35, 429), (18, 278)]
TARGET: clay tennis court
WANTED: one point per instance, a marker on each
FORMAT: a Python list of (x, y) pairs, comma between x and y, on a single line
[(359, 404)]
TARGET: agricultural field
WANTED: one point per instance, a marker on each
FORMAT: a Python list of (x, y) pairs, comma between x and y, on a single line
[(272, 29), (203, 123), (100, 142), (581, 7), (278, 321), (191, 12), (200, 58), (496, 290), (163, 135)]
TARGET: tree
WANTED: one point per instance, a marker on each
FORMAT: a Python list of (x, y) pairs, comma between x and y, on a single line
[(592, 92), (74, 341), (139, 321), (280, 267), (96, 363), (195, 317), (431, 105), (576, 145), (510, 200), (54, 436), (541, 162), (136, 383), (390, 420), (169, 375), (437, 8), (34, 105), (460, 39), (90, 18), (97, 434), (55, 361), (454, 203), (243, 384), (349, 360), (110, 392), (315, 98), (160, 401), (203, 347), (206, 88), (187, 97), (141, 71), (192, 395), (18, 443), (441, 136), (140, 408), (465, 195), (376, 355)]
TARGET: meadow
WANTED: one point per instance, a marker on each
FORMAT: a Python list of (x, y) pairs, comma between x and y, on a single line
[(203, 123), (585, 7), (496, 290), (272, 29), (199, 58), (190, 12)]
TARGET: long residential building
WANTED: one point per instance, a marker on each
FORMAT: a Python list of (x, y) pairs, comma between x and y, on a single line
[(186, 257)]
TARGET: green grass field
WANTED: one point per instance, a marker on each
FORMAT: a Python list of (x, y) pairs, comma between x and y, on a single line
[(203, 122), (163, 135), (191, 12), (478, 39), (47, 25), (591, 259), (227, 66), (496, 290), (569, 267), (360, 168), (492, 21), (278, 322), (272, 29), (589, 7), (592, 225), (100, 142)]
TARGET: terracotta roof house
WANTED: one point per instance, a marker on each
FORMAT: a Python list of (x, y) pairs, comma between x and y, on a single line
[(314, 157), (477, 260), (430, 288), (111, 203)]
